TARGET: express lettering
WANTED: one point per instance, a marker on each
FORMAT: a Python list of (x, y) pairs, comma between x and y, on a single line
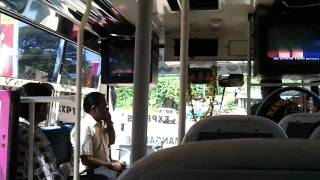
[(157, 140), (67, 109), (157, 119)]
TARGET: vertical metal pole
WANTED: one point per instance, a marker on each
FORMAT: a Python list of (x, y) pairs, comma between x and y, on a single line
[(253, 3), (184, 46), (249, 73), (80, 38), (141, 79), (30, 140)]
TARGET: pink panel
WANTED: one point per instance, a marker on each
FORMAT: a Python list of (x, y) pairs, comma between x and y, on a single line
[(4, 134)]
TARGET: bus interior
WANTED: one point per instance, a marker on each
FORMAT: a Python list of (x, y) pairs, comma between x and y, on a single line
[(240, 76)]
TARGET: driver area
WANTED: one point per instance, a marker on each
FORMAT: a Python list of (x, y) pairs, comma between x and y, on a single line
[(290, 107)]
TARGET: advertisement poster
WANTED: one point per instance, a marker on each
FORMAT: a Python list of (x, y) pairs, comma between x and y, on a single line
[(8, 46), (91, 74), (92, 68), (4, 132)]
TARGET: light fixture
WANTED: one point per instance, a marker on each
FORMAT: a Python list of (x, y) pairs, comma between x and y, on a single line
[(215, 23)]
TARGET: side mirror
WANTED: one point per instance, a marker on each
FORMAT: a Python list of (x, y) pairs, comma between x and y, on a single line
[(230, 80)]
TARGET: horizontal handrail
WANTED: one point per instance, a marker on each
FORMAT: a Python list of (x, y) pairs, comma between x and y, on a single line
[(46, 99), (286, 84)]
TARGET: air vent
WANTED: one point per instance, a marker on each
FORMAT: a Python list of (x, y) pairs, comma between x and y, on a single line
[(204, 4), (199, 47), (174, 5)]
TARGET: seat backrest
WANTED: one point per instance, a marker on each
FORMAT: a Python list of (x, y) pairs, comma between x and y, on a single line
[(315, 134), (59, 137), (253, 159), (233, 127), (300, 125)]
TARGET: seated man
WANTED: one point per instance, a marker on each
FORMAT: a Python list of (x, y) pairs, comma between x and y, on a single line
[(44, 162), (96, 135)]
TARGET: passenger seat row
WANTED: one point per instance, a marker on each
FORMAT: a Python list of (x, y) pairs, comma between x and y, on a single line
[(238, 157), (299, 125)]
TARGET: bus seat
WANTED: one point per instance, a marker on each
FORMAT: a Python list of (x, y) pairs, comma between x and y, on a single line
[(59, 137), (300, 125), (254, 159), (315, 134), (233, 127)]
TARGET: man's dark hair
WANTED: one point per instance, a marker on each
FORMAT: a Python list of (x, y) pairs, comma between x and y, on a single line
[(92, 99), (33, 89)]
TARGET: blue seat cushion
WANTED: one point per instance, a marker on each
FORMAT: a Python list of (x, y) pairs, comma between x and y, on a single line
[(59, 137)]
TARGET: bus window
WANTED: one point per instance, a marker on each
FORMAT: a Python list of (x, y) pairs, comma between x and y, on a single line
[(37, 54), (163, 113), (27, 52), (91, 67)]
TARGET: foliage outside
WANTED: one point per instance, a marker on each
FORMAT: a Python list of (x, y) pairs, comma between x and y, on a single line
[(164, 94), (165, 91)]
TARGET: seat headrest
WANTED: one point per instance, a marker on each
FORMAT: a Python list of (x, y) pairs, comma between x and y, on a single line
[(233, 126), (300, 118), (300, 125)]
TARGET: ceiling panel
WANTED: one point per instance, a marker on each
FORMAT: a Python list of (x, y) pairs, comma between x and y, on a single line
[(232, 12)]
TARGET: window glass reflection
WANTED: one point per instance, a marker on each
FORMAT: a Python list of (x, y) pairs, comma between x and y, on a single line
[(26, 52), (30, 53), (90, 71)]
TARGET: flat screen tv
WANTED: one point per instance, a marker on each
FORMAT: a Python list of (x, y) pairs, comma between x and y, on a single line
[(118, 61), (286, 43)]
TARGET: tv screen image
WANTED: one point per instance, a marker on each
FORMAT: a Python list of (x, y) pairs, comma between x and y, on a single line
[(118, 61), (286, 42), (294, 42), (121, 63)]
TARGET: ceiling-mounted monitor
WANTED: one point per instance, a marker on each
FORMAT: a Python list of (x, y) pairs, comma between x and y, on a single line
[(118, 61), (286, 43), (206, 47)]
